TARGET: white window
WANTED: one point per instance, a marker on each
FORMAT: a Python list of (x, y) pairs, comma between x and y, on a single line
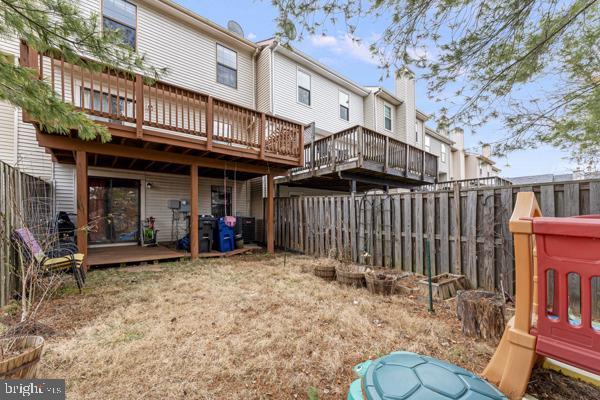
[(303, 87), (344, 99), (387, 117), (226, 66), (120, 15), (443, 153), (427, 143)]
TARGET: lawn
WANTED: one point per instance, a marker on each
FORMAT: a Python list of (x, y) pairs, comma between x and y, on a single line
[(242, 328)]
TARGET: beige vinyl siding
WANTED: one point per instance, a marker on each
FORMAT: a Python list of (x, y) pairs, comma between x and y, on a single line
[(190, 56), (31, 158), (64, 187), (324, 108), (263, 81), (7, 133), (368, 111)]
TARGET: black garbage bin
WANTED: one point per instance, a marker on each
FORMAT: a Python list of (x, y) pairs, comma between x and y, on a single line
[(206, 231)]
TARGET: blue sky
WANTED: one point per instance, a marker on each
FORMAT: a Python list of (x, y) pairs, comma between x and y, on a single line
[(340, 53)]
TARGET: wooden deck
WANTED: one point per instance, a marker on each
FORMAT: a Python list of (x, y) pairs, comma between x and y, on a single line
[(131, 254), (136, 254), (369, 158), (147, 117)]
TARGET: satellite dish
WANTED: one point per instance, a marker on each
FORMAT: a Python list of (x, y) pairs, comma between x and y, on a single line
[(236, 28), (289, 29)]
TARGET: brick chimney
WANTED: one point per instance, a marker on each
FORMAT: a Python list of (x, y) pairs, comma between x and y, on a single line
[(405, 91)]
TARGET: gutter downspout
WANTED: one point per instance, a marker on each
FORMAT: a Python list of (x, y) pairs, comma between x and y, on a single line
[(273, 47), (256, 51)]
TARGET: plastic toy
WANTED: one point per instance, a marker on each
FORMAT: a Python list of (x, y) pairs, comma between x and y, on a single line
[(559, 246), (403, 375)]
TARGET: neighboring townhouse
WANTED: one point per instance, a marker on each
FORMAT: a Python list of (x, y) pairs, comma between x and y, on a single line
[(194, 135), (440, 144), (468, 164)]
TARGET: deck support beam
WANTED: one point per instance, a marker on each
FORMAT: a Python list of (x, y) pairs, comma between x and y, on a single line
[(270, 212), (81, 166), (194, 212)]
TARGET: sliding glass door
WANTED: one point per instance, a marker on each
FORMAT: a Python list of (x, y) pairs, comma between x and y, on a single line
[(114, 210)]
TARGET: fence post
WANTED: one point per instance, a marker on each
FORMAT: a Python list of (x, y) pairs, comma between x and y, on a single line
[(457, 232)]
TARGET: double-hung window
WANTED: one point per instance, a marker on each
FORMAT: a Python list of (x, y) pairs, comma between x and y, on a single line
[(387, 117), (120, 15), (443, 153), (303, 87), (427, 144), (344, 100), (226, 66)]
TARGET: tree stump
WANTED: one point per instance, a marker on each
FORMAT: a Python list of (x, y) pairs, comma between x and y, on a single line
[(481, 313)]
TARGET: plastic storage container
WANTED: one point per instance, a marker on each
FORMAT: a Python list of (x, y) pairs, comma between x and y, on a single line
[(206, 232), (224, 236)]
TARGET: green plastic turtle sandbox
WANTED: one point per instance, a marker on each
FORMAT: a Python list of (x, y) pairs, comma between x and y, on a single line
[(408, 376)]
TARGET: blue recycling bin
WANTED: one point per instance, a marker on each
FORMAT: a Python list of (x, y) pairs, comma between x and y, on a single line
[(225, 236)]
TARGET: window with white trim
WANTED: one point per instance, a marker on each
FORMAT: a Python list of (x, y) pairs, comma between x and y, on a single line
[(303, 87), (344, 99), (121, 16), (387, 117), (226, 66), (443, 154), (427, 143)]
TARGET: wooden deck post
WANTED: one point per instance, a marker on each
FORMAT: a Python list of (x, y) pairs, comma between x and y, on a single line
[(262, 132), (139, 105), (81, 166), (270, 210), (194, 212), (209, 123)]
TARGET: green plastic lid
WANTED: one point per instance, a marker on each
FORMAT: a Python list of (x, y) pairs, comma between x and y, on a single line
[(403, 375)]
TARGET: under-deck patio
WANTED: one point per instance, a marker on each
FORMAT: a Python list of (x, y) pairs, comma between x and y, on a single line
[(369, 159), (163, 128)]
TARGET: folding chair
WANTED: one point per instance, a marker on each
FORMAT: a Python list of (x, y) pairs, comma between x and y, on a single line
[(54, 260)]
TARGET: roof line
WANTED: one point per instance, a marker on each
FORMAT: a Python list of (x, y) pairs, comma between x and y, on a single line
[(198, 18), (358, 88)]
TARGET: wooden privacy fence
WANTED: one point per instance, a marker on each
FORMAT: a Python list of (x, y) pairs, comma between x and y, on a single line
[(468, 228), (24, 201)]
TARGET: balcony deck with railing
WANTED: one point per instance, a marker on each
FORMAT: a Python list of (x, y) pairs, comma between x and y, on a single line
[(166, 117), (489, 181), (360, 154)]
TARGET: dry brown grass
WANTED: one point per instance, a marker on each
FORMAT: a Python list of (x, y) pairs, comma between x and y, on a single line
[(243, 328)]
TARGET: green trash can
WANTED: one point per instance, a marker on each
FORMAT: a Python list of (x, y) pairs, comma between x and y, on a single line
[(403, 375)]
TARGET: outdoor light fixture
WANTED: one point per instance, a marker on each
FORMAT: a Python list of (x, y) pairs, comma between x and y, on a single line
[(148, 186)]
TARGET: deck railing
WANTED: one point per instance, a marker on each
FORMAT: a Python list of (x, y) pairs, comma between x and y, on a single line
[(361, 144), (113, 96), (491, 181)]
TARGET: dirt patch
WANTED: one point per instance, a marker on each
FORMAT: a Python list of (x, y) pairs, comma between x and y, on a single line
[(548, 384), (244, 327)]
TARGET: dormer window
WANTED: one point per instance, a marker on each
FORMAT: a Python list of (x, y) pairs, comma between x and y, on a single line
[(121, 16)]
